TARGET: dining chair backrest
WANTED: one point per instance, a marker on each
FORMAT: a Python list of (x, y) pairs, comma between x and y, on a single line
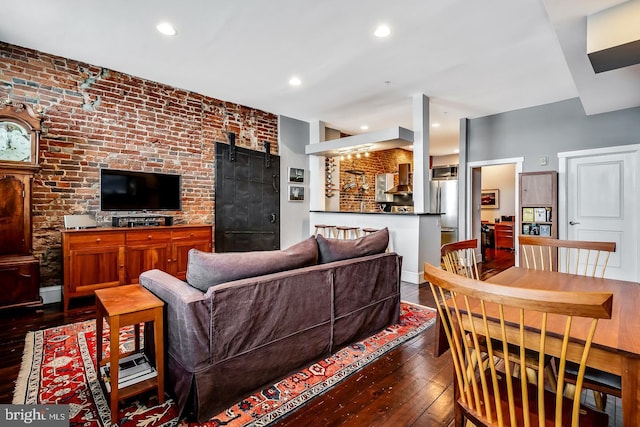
[(568, 256), (460, 258), (480, 315)]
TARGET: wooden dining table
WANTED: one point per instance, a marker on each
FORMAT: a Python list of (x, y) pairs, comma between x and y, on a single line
[(616, 344)]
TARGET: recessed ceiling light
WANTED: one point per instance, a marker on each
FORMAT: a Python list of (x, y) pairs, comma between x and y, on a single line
[(166, 29), (364, 127), (382, 31), (435, 125), (295, 81)]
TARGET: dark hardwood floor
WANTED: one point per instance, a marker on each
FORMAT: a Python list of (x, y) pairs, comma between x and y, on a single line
[(408, 386), (14, 325), (494, 261)]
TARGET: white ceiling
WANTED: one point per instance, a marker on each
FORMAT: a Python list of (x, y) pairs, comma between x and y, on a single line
[(472, 58)]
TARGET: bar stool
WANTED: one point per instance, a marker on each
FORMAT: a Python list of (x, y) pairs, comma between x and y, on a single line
[(368, 231), (324, 229), (347, 232)]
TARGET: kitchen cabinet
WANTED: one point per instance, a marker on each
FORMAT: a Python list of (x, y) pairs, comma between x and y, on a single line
[(538, 204), (106, 257), (538, 188), (384, 182)]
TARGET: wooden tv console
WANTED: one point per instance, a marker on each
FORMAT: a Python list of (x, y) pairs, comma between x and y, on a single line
[(99, 258)]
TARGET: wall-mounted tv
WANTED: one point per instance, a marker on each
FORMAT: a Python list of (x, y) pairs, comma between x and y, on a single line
[(135, 191)]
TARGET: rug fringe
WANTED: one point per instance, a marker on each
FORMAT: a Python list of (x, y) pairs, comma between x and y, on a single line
[(20, 390)]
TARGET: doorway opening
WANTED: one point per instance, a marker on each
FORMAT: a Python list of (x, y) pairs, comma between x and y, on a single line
[(492, 212)]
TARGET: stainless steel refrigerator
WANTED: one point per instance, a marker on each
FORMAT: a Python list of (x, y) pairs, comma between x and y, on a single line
[(444, 199)]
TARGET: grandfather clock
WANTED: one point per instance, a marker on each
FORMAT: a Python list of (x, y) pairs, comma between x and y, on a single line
[(19, 269)]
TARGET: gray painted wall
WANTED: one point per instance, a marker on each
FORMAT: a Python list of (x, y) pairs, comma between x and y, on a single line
[(547, 130), (293, 135)]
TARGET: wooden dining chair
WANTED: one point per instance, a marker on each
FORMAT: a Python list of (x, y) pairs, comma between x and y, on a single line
[(487, 394), (460, 258), (568, 256), (585, 258)]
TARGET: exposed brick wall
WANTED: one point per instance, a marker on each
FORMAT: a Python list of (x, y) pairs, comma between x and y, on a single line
[(385, 161), (98, 118)]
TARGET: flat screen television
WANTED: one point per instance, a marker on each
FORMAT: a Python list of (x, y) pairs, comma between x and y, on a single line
[(135, 191)]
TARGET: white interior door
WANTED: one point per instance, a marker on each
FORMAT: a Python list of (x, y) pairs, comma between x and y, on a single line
[(602, 205)]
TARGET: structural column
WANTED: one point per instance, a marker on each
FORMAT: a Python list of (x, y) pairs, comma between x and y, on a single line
[(421, 153)]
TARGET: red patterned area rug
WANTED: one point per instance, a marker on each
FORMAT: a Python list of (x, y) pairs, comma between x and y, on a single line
[(59, 366)]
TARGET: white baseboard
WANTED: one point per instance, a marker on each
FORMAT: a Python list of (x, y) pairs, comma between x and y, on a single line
[(51, 294), (412, 277)]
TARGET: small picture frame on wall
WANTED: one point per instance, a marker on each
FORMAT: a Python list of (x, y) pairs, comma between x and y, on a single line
[(296, 175), (296, 193), (490, 199)]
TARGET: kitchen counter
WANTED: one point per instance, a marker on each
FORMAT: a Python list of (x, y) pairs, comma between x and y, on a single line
[(415, 236)]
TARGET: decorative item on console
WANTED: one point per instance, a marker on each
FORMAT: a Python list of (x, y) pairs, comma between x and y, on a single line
[(141, 220)]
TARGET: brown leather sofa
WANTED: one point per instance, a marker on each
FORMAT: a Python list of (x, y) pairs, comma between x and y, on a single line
[(240, 335)]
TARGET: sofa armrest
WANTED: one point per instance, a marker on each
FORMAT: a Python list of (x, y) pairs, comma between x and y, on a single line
[(187, 318)]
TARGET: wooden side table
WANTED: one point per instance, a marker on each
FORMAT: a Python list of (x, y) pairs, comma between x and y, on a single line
[(122, 306)]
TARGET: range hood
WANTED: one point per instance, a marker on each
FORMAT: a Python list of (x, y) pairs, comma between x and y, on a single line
[(404, 186)]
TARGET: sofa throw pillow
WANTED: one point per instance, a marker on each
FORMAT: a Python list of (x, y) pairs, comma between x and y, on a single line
[(330, 250), (205, 269)]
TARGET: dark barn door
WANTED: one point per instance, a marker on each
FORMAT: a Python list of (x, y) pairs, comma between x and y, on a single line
[(247, 198)]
